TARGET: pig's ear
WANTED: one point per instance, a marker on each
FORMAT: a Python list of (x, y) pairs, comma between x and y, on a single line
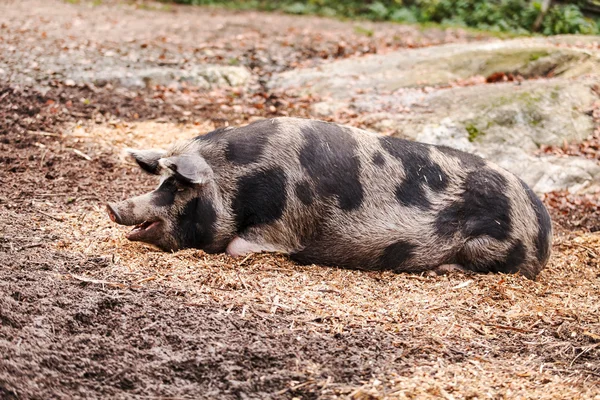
[(191, 168), (147, 159)]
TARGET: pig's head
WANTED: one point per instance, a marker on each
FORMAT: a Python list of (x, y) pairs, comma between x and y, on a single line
[(180, 212)]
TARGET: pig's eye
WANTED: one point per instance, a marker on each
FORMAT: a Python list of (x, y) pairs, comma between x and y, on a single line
[(180, 186)]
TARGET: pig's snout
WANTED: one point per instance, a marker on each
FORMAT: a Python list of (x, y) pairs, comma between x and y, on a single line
[(111, 208)]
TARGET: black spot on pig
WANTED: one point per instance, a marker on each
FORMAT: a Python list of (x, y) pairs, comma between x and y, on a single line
[(260, 198), (396, 255), (487, 207), (411, 193), (245, 145), (329, 158), (312, 254), (378, 159), (467, 160), (510, 264), (164, 196), (420, 169), (195, 224), (484, 208), (450, 219), (216, 134), (304, 193), (542, 240)]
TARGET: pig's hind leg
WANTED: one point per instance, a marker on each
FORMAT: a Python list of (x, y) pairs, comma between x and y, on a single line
[(255, 240), (240, 247)]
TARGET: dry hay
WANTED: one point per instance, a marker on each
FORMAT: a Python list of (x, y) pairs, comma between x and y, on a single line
[(484, 335)]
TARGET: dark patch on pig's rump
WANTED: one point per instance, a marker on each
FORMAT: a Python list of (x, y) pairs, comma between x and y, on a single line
[(304, 192), (164, 196), (378, 159), (329, 158), (396, 255), (450, 220), (420, 170), (467, 160), (483, 208), (411, 193), (510, 264), (487, 206), (246, 145), (260, 198), (195, 224), (543, 239)]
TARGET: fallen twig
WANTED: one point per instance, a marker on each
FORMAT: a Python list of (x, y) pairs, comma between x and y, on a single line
[(29, 246), (298, 386), (510, 328), (585, 350), (82, 154), (97, 281), (150, 278), (50, 216), (42, 133), (591, 251)]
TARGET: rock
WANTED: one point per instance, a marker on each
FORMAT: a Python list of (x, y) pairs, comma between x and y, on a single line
[(206, 76), (524, 115), (325, 108), (218, 75), (546, 173), (146, 77), (447, 133), (441, 65), (582, 40)]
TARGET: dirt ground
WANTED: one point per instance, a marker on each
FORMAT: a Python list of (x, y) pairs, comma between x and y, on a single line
[(86, 314)]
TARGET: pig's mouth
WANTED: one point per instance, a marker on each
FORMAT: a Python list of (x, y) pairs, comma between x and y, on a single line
[(145, 230), (149, 231)]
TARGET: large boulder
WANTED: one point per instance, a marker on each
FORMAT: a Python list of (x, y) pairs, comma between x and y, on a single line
[(441, 65), (204, 76), (525, 115)]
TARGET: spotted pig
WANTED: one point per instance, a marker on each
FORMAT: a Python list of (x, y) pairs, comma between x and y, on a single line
[(335, 195)]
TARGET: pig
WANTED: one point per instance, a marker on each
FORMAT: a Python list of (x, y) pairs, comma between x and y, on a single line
[(333, 195)]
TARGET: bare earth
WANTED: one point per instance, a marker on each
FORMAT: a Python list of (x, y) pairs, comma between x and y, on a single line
[(86, 314)]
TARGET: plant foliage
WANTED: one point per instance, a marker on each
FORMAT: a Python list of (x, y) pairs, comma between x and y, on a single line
[(516, 16)]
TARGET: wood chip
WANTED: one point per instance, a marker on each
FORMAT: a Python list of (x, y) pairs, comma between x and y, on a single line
[(463, 285), (82, 154)]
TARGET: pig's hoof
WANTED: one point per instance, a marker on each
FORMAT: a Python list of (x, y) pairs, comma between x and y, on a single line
[(446, 269)]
